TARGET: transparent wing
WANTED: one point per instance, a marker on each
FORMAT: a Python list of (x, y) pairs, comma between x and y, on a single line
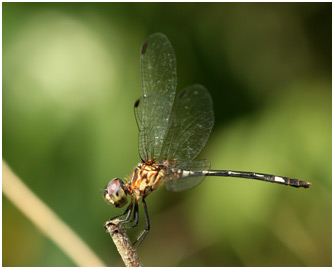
[(152, 115), (179, 179), (153, 109), (158, 67), (190, 125)]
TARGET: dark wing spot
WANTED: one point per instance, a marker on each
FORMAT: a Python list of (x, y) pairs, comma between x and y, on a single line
[(137, 103), (181, 94), (143, 48)]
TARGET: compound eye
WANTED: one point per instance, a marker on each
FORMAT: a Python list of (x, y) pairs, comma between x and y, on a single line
[(113, 187), (114, 193)]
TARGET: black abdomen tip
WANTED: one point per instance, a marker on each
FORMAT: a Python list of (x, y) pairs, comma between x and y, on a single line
[(307, 185)]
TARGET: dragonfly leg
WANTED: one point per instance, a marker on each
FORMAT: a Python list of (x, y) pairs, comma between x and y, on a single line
[(135, 218), (127, 212), (143, 233)]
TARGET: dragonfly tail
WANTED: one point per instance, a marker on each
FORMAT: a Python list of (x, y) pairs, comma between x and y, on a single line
[(258, 176)]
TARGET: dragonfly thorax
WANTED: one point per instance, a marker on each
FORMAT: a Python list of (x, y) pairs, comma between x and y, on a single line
[(146, 178)]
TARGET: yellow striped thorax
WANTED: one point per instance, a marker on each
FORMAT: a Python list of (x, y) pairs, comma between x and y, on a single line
[(146, 178)]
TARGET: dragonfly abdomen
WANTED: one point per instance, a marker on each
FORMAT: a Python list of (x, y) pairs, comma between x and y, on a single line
[(259, 176), (180, 173)]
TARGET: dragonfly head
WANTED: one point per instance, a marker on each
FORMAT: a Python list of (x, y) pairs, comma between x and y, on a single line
[(115, 194)]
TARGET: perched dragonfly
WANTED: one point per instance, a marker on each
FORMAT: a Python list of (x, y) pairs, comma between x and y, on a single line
[(172, 132)]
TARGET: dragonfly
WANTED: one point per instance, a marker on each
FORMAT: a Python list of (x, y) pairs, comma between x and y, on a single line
[(173, 129)]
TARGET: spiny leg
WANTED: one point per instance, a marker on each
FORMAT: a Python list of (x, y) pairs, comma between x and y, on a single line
[(143, 233), (127, 211), (135, 218)]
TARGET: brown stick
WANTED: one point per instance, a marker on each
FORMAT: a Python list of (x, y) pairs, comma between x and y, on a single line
[(123, 244)]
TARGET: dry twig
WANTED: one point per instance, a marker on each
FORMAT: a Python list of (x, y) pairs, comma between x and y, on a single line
[(123, 244)]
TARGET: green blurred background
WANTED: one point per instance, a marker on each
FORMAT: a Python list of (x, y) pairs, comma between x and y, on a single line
[(71, 75)]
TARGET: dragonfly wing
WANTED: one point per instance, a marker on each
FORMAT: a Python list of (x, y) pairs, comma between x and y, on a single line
[(152, 115), (153, 109), (177, 179), (190, 124)]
